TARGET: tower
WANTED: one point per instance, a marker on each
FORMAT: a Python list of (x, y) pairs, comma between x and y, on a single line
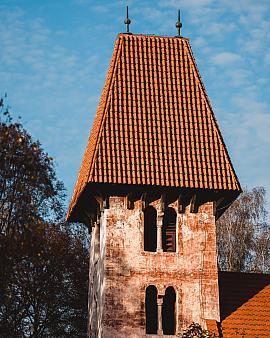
[(155, 176)]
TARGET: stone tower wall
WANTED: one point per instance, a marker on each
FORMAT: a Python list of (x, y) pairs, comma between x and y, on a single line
[(121, 272)]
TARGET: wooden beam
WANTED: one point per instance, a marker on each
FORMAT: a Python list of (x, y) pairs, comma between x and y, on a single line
[(194, 203), (144, 201), (163, 201), (106, 202), (90, 217), (181, 204), (216, 206), (183, 201), (130, 202)]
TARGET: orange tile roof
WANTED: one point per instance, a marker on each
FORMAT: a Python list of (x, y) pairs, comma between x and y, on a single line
[(244, 304), (154, 123), (212, 327)]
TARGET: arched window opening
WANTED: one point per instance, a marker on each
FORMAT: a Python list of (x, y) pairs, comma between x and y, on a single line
[(169, 230), (150, 229), (151, 310), (168, 312)]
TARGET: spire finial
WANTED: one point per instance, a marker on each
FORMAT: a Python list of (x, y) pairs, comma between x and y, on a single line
[(178, 24), (127, 21)]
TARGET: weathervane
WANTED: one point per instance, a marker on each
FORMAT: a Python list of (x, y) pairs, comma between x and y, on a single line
[(178, 24), (127, 21)]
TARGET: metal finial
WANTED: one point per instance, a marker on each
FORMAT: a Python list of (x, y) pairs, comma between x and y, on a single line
[(178, 24), (127, 21)]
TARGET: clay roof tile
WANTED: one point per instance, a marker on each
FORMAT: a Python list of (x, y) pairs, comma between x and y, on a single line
[(154, 102), (244, 304)]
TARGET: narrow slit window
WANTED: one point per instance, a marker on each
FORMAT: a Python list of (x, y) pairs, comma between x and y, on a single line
[(168, 312), (169, 230), (150, 229), (151, 310)]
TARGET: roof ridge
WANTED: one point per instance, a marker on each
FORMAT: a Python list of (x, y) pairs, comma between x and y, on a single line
[(138, 35)]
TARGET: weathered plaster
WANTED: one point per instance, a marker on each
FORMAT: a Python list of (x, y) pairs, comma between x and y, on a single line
[(122, 272)]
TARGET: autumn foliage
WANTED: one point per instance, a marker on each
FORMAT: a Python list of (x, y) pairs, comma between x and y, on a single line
[(43, 263), (29, 189)]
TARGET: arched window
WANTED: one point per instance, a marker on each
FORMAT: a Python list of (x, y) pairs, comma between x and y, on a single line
[(169, 230), (150, 229), (168, 311), (151, 310)]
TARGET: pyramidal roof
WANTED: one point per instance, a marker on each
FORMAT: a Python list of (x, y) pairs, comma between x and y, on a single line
[(154, 123)]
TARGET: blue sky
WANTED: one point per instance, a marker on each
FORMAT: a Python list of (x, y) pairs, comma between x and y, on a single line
[(55, 55)]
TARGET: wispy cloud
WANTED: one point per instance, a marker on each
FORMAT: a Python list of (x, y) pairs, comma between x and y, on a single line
[(53, 71), (226, 59), (49, 83), (184, 4)]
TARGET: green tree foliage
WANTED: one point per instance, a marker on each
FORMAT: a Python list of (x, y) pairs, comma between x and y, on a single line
[(43, 263), (243, 234)]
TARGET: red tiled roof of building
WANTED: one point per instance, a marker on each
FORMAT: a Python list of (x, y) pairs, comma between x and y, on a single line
[(212, 327), (154, 123), (244, 304)]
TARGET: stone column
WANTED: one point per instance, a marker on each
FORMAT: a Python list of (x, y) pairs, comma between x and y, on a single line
[(159, 230), (159, 304)]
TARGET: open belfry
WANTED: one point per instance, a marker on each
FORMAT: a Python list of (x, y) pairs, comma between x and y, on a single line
[(155, 177)]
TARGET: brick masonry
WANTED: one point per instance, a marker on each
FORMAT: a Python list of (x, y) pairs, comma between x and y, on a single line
[(120, 270)]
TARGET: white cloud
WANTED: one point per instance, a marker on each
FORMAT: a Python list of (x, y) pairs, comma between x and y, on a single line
[(199, 42), (246, 6), (260, 122), (58, 85), (185, 3), (239, 77), (226, 58), (267, 58), (219, 28)]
